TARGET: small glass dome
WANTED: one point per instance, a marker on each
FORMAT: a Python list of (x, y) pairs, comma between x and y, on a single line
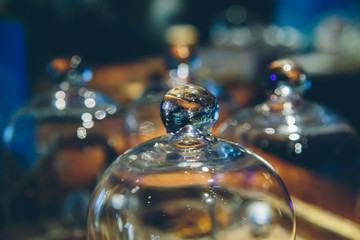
[(189, 184), (55, 147), (303, 133)]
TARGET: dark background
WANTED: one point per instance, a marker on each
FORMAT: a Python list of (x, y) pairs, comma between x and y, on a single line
[(113, 31), (108, 31)]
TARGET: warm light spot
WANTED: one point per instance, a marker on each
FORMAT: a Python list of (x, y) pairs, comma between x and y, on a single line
[(86, 117), (274, 35), (302, 77), (81, 133), (173, 74), (293, 128), (181, 81), (118, 201), (89, 124), (111, 109), (183, 70), (287, 67), (298, 145), (60, 104), (100, 114), (285, 91), (290, 120), (90, 102), (298, 148), (246, 126), (135, 189), (260, 212), (205, 169), (270, 131), (64, 86), (294, 136), (89, 94), (183, 51), (60, 94), (288, 109)]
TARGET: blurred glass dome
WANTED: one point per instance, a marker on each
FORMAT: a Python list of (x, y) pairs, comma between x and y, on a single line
[(302, 133), (182, 66), (54, 149), (188, 184)]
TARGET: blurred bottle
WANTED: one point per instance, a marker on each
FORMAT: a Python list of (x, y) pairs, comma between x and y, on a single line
[(182, 65), (320, 148), (55, 147)]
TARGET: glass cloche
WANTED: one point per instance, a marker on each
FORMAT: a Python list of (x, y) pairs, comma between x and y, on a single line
[(55, 148), (189, 184), (304, 134), (182, 64)]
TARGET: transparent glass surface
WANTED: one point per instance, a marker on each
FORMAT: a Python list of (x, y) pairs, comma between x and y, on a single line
[(302, 133), (54, 149), (189, 184), (182, 65)]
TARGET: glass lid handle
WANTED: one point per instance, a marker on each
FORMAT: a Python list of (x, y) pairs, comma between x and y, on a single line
[(284, 77), (71, 69), (189, 105)]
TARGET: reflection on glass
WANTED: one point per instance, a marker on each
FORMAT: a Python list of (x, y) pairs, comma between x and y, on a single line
[(188, 184), (305, 134), (54, 148)]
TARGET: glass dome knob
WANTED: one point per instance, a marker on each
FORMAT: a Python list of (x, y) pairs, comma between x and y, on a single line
[(285, 77), (189, 105), (70, 69)]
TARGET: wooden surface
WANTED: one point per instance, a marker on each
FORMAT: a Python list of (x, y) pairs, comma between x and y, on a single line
[(314, 223)]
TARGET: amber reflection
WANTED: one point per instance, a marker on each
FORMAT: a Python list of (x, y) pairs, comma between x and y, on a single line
[(287, 67), (72, 164), (186, 178), (60, 64)]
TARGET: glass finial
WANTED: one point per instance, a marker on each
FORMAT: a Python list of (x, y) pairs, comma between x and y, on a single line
[(189, 105), (284, 77)]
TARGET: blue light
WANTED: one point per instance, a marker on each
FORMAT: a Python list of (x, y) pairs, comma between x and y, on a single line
[(12, 67), (291, 206), (272, 77), (87, 75)]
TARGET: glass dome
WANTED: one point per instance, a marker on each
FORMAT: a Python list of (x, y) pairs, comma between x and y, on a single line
[(189, 184), (182, 65), (303, 133), (54, 149)]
